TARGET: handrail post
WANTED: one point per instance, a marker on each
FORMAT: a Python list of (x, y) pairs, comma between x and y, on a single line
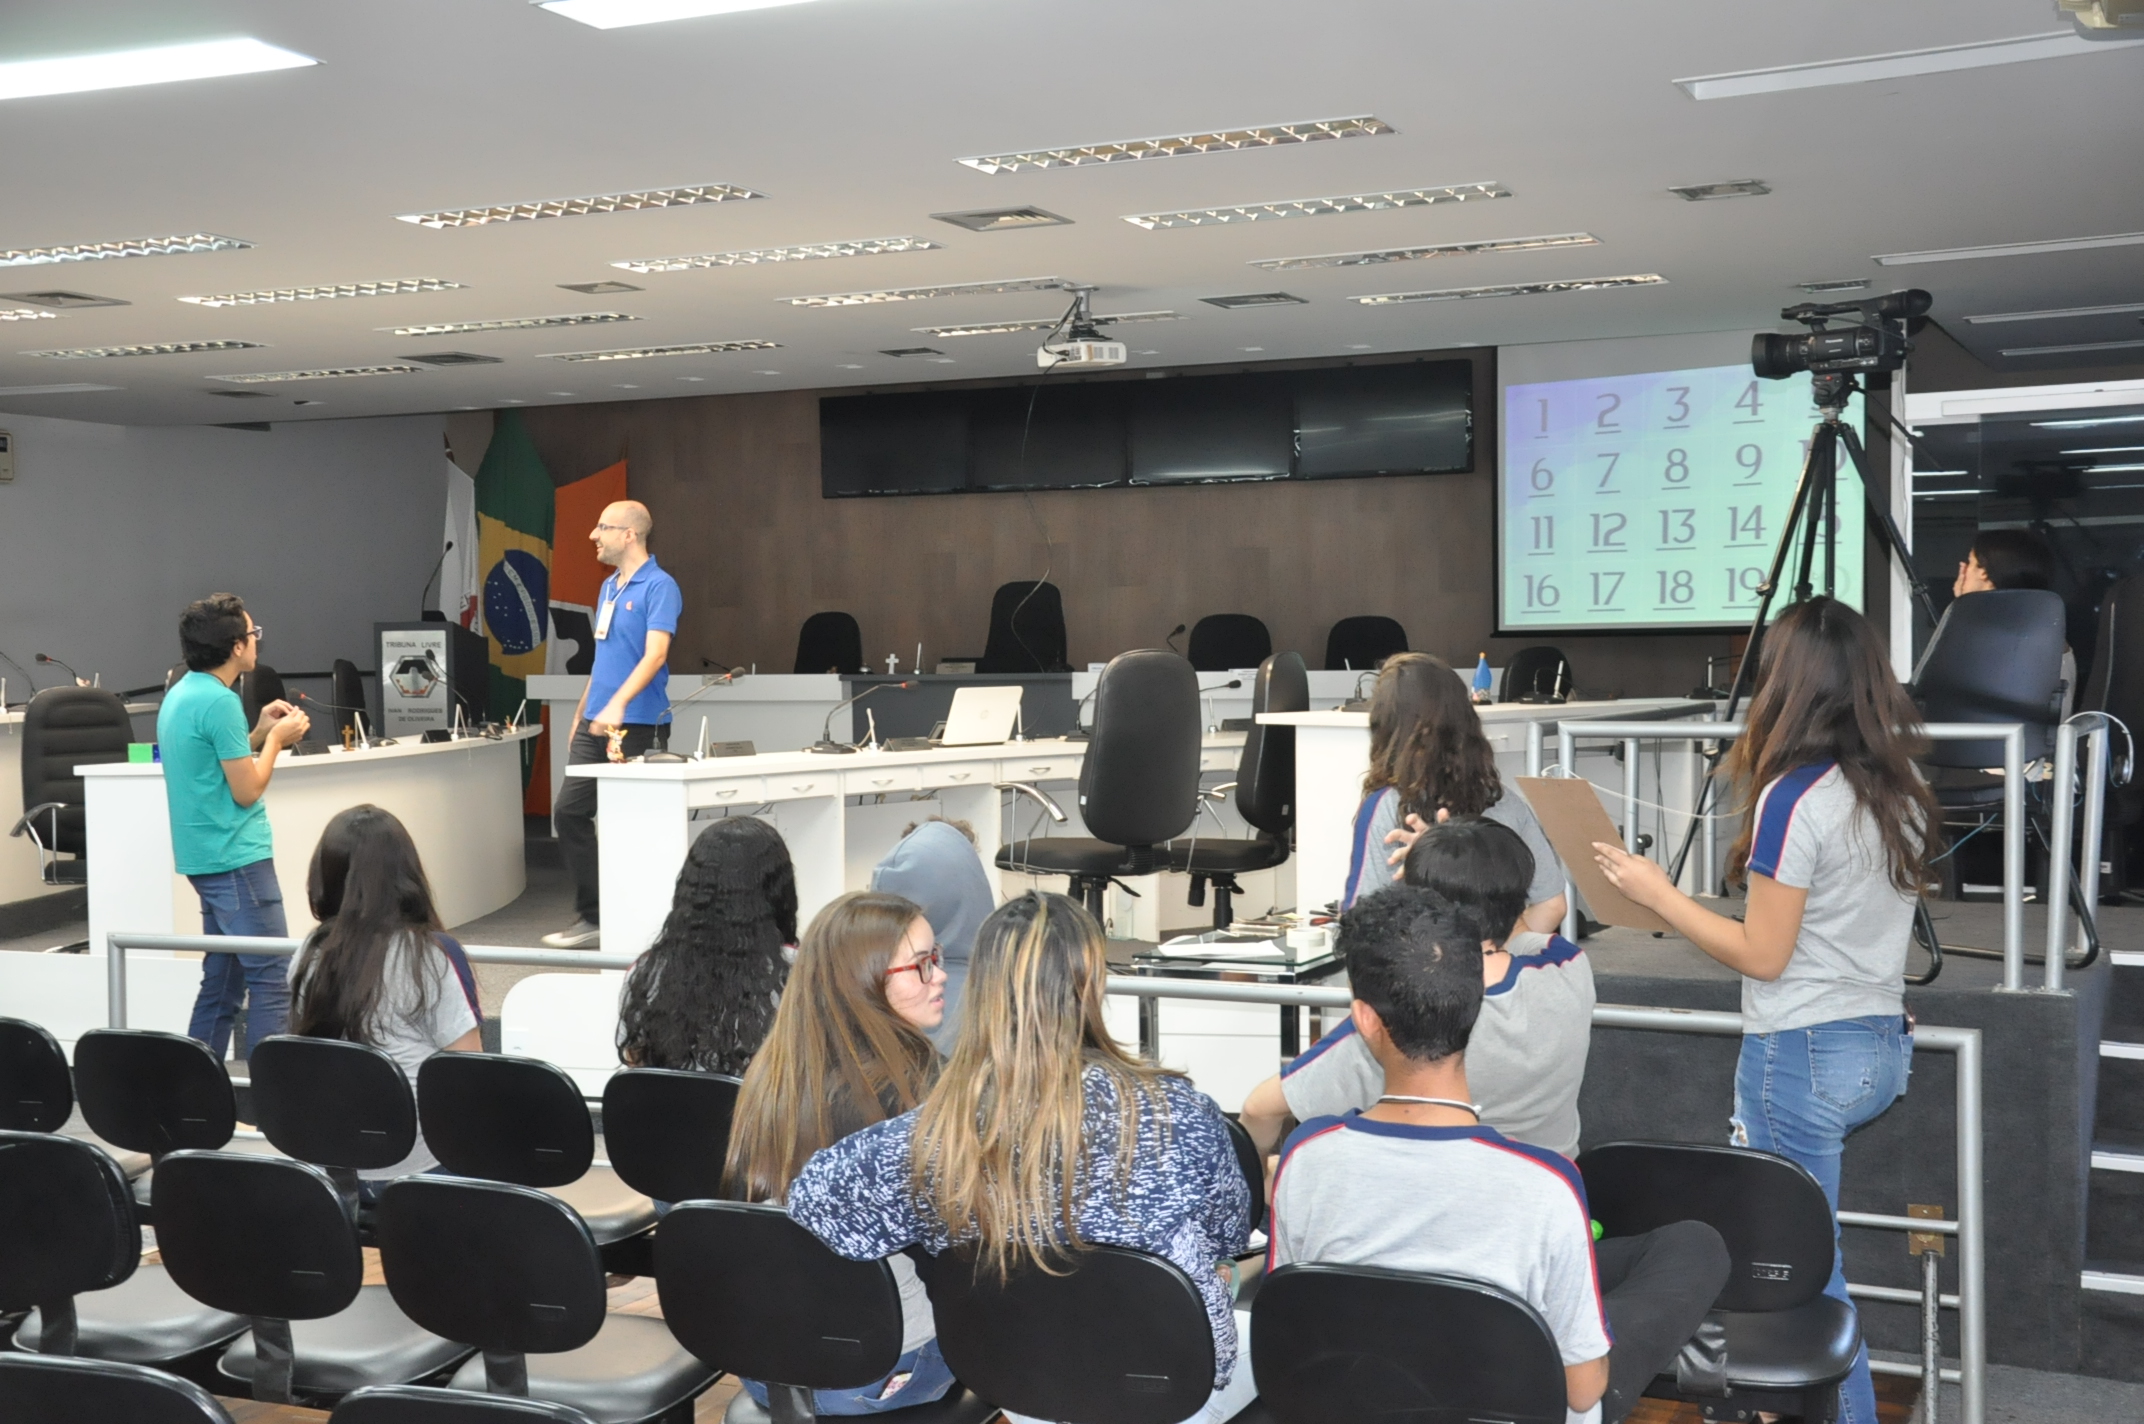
[(1534, 739), (1972, 1224), (2061, 813), (115, 981), (1567, 758), (2095, 815), (2014, 857), (1630, 794)]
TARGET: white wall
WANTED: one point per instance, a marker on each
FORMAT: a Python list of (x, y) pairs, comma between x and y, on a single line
[(108, 531)]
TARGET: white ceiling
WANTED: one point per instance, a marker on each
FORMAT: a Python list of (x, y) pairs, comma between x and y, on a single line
[(849, 114)]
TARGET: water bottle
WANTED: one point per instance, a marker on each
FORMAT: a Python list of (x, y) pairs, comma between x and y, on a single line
[(1484, 681)]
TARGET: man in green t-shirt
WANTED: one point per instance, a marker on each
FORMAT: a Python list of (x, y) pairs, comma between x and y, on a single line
[(215, 773)]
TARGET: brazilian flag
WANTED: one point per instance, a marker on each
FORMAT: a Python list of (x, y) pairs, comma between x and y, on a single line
[(515, 503)]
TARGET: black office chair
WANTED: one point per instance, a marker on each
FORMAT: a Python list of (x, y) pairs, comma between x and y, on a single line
[(1362, 643), (1222, 641), (273, 1240), (1540, 674), (1139, 783), (1035, 641), (415, 1404), (514, 1273), (63, 728), (177, 671), (36, 1090), (1265, 794), (70, 1254), (49, 1389), (668, 1132), (1121, 1337), (158, 1093), (346, 689), (1340, 1344), (258, 688), (2116, 686), (831, 1324), (1787, 1344), (522, 1120), (344, 1107), (830, 642)]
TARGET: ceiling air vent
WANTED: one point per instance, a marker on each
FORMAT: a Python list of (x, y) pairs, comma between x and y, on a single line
[(1003, 219), (913, 351), (238, 395), (62, 299), (1256, 299), (454, 358), (598, 289)]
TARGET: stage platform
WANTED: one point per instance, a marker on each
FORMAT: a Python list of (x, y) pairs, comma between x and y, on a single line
[(2055, 1222)]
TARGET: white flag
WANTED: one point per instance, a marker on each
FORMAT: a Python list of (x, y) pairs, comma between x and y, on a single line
[(460, 580)]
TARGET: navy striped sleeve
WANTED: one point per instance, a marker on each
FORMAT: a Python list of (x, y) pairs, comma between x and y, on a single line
[(1320, 1048), (1775, 820), (463, 974)]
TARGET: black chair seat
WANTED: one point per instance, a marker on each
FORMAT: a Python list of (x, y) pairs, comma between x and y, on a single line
[(133, 1164), (1070, 855), (612, 1209), (1789, 1350), (1223, 856), (957, 1407), (371, 1342), (144, 1320), (632, 1371), (1961, 788)]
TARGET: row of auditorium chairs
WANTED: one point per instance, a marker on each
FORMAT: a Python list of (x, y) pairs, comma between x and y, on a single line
[(495, 1282)]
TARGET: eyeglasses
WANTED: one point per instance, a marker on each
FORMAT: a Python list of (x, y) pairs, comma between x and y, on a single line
[(614, 529), (257, 633), (925, 967)]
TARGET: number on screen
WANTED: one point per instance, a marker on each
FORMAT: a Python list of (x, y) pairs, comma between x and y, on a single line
[(1677, 526), (1608, 531), (1544, 478), (1751, 459), (1678, 467), (1676, 586), (1541, 591), (1601, 422), (1608, 474)]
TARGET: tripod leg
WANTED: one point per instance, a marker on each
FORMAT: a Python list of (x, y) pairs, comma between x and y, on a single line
[(1885, 525)]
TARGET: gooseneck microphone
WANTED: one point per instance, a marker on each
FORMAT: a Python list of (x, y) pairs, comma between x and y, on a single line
[(437, 564), (1171, 639), (79, 680), (826, 742)]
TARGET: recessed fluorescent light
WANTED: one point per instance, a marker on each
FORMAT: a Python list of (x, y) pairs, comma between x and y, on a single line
[(582, 207), (2112, 469), (325, 373), (2108, 450), (519, 323), (1320, 207), (1516, 289), (1173, 145), (1901, 64), (1737, 188), (1002, 219), (911, 294), (619, 14), (161, 348), (640, 353), (1846, 284), (599, 289), (454, 358), (131, 247), (1442, 249), (1040, 323), (2055, 313), (1256, 299), (64, 389), (323, 294), (127, 68), (803, 252), (2085, 424), (2071, 349), (27, 314), (2011, 249), (1939, 474)]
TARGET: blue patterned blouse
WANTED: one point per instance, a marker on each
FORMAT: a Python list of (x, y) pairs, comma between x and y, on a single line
[(1186, 1200)]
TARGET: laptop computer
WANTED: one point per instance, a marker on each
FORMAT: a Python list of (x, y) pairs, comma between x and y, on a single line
[(981, 716)]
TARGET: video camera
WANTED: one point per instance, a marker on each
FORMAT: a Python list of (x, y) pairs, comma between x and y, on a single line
[(1877, 344)]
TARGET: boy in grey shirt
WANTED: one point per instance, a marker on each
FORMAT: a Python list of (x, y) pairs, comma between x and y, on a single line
[(1528, 1057)]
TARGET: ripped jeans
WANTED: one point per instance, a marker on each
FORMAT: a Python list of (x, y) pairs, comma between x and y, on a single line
[(1800, 1092)]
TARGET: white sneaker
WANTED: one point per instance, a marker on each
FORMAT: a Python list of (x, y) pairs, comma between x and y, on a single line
[(578, 935)]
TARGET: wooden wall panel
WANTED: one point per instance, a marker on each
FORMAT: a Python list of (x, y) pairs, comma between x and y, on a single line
[(733, 482)]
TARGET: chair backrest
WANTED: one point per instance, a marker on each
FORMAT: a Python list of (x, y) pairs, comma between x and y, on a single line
[(1032, 642), (153, 1092), (1536, 672), (258, 688), (504, 1118), (506, 1269), (667, 1132), (333, 1103), (750, 1292), (830, 642), (36, 1090), (67, 1222), (1221, 641), (1119, 1338), (1769, 1211), (1265, 776), (1139, 784), (347, 691), (1253, 1168), (2117, 681), (1362, 643), (1994, 657), (1339, 1344), (53, 1389), (415, 1404), (259, 1236), (177, 671), (63, 728)]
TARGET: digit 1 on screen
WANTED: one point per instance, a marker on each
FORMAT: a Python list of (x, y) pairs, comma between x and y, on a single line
[(1541, 591)]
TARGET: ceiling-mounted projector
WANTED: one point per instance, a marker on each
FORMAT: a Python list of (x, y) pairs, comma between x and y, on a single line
[(1083, 343)]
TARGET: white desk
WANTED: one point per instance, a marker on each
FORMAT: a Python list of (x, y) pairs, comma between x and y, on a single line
[(776, 712), (20, 876), (460, 800), (1332, 752)]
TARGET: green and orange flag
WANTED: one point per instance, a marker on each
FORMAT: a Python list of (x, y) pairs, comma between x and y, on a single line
[(515, 510)]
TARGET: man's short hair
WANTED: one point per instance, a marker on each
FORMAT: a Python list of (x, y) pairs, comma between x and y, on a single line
[(2015, 558), (1481, 866), (1414, 960), (209, 628)]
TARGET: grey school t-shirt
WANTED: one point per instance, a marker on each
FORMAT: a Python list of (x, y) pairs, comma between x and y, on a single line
[(1464, 1201), (1525, 1060), (1379, 815), (1849, 960)]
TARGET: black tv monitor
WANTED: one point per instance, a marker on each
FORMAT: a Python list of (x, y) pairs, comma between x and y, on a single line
[(1208, 429), (893, 444), (1415, 417), (1063, 436)]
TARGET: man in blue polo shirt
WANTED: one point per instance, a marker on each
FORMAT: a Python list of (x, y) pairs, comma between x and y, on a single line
[(625, 709), (215, 773)]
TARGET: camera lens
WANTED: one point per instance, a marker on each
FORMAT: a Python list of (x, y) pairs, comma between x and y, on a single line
[(1773, 356)]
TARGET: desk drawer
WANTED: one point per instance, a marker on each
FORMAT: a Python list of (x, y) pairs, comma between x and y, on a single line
[(873, 780), (1220, 759), (963, 773), (1040, 768), (797, 785), (743, 791)]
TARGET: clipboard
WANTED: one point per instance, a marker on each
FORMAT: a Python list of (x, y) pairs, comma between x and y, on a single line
[(1570, 811)]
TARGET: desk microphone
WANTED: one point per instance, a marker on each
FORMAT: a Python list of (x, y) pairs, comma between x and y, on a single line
[(1205, 692), (364, 738), (1171, 639), (79, 680), (1079, 733), (826, 742), (27, 679), (437, 564), (729, 674)]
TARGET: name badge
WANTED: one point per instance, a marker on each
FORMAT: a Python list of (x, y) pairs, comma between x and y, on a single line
[(603, 619)]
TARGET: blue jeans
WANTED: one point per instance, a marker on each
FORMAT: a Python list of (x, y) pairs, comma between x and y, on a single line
[(245, 901), (928, 1380), (1799, 1093)]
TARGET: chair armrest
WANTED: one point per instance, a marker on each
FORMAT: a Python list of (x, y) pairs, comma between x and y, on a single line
[(1219, 793), (26, 823), (1037, 793)]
